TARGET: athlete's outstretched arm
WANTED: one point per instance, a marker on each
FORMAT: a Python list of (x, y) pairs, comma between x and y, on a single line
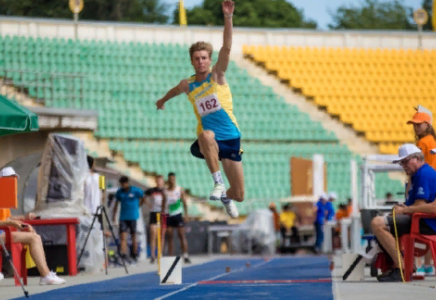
[(182, 87), (224, 55)]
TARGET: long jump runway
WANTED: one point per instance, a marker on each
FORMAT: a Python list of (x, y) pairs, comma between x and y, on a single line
[(299, 278)]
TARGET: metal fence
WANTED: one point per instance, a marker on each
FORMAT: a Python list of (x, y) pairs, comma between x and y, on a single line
[(46, 88)]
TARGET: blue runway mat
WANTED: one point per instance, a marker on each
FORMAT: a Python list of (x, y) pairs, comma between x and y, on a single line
[(279, 278)]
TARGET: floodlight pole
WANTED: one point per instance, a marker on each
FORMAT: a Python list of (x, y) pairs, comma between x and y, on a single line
[(76, 25)]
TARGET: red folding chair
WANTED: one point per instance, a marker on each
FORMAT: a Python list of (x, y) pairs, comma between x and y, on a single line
[(18, 253), (408, 243)]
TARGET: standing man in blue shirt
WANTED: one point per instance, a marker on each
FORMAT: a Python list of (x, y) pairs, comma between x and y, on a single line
[(131, 198), (320, 210), (419, 198), (330, 208)]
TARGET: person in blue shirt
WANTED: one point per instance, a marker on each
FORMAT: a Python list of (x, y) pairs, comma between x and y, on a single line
[(321, 211), (419, 198), (130, 198)]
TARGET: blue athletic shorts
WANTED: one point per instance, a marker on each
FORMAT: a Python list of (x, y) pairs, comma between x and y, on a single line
[(229, 149)]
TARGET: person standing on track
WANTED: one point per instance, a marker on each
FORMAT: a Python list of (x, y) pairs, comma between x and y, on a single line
[(154, 198), (217, 130), (425, 141), (175, 202), (131, 198)]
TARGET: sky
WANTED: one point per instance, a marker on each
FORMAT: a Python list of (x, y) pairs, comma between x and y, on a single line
[(317, 10)]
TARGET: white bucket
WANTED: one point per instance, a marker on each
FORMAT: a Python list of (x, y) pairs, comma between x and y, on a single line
[(175, 277), (358, 274)]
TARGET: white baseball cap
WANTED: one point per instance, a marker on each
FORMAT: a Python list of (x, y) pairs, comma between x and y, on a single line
[(8, 172), (405, 151), (324, 195), (333, 195)]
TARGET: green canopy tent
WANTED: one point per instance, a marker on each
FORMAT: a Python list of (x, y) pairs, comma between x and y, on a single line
[(15, 118)]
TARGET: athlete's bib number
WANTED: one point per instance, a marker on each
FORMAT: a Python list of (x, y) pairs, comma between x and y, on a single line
[(208, 105)]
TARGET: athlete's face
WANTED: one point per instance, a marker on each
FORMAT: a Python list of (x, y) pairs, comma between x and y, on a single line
[(172, 180), (201, 61)]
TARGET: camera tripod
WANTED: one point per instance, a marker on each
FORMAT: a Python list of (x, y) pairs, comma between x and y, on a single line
[(101, 211)]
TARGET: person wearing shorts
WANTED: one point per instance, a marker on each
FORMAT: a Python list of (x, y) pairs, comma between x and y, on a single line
[(175, 203), (420, 197), (154, 198), (219, 137), (130, 198)]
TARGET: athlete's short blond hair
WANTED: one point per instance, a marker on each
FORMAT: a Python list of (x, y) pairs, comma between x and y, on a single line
[(200, 46)]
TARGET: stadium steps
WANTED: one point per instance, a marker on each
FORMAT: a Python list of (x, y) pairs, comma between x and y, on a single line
[(346, 135)]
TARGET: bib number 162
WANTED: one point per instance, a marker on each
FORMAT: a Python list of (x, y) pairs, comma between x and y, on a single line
[(208, 105)]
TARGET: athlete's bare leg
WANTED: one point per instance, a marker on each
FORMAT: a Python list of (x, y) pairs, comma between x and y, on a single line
[(182, 237), (153, 235), (209, 149), (235, 176), (170, 241), (162, 240)]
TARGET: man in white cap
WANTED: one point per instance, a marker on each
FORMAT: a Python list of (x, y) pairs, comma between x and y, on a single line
[(419, 198), (321, 211)]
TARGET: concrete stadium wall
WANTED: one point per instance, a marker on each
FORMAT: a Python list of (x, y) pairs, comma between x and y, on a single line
[(21, 145), (187, 35)]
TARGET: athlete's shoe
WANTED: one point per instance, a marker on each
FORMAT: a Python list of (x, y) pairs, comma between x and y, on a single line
[(218, 190), (231, 209), (51, 279)]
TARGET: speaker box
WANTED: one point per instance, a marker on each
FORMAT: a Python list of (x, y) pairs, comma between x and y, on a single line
[(57, 260), (59, 188), (63, 165)]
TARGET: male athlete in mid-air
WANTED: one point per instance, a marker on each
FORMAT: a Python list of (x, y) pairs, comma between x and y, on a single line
[(218, 132)]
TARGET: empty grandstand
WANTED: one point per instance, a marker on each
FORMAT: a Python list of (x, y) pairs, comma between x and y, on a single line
[(373, 90), (123, 80)]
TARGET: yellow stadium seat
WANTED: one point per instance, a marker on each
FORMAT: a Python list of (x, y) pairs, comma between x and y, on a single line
[(374, 90)]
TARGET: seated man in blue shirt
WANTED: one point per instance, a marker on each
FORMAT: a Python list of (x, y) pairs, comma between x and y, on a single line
[(130, 198), (419, 198)]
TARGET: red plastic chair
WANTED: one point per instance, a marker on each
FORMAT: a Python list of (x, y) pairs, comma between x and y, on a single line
[(18, 253), (408, 242)]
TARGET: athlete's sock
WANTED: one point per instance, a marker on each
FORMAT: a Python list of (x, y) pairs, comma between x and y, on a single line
[(185, 255), (217, 178)]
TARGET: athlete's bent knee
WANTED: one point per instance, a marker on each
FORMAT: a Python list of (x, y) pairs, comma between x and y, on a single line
[(207, 136)]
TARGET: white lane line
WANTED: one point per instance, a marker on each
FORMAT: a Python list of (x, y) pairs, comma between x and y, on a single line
[(210, 279)]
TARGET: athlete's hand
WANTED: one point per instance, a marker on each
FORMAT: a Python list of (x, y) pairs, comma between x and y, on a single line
[(160, 104), (186, 220), (228, 6)]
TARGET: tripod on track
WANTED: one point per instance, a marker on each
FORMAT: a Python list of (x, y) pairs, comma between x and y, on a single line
[(99, 214)]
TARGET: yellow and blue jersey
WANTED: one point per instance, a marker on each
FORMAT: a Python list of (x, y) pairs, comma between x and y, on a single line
[(213, 106)]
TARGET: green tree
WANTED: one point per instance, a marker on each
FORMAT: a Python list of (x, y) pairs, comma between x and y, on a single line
[(249, 13), (427, 5), (149, 11), (373, 14)]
